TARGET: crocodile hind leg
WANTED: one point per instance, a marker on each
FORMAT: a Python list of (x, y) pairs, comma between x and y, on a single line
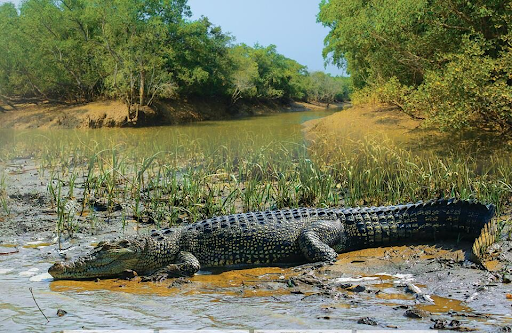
[(186, 265), (318, 248)]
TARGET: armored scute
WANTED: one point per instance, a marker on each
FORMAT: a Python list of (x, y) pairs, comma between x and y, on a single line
[(281, 236)]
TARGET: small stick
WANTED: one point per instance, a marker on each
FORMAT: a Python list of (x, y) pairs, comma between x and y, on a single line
[(47, 320), (7, 253)]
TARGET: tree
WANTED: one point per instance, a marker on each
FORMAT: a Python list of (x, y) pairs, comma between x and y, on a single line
[(278, 76), (244, 75), (411, 46), (135, 36), (8, 48), (327, 89), (60, 53), (202, 64)]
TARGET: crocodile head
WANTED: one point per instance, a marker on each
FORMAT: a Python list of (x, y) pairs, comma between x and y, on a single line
[(107, 259)]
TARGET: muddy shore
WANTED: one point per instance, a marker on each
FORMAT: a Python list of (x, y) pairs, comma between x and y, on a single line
[(409, 286), (45, 115)]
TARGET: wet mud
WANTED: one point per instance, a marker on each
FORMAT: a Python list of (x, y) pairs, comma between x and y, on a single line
[(406, 287), (370, 287)]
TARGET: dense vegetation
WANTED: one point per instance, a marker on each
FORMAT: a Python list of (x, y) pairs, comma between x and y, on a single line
[(139, 51), (449, 61)]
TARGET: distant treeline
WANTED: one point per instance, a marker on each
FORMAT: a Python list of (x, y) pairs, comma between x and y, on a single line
[(139, 51), (449, 61)]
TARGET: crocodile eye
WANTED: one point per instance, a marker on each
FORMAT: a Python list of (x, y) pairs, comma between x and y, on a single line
[(124, 243)]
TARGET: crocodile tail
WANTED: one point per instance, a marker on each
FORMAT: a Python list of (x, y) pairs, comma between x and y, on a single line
[(488, 236), (431, 220)]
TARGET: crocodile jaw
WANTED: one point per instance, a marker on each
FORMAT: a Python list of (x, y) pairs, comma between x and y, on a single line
[(103, 261)]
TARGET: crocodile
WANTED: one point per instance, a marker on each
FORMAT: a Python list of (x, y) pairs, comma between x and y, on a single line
[(302, 235)]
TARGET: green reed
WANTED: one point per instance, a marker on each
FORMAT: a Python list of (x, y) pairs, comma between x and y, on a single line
[(166, 176), (4, 198)]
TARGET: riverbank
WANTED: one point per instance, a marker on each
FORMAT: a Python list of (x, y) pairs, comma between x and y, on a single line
[(363, 122), (115, 113), (364, 117)]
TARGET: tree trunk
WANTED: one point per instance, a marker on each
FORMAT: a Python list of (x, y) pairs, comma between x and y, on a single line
[(5, 99), (132, 88), (129, 106), (141, 88)]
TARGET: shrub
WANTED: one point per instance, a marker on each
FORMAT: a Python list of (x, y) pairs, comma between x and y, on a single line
[(472, 90)]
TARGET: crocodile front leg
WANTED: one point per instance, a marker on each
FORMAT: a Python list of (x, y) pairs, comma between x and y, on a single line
[(186, 265), (315, 240)]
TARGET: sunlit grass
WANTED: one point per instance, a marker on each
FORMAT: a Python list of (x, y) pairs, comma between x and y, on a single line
[(377, 172), (170, 175)]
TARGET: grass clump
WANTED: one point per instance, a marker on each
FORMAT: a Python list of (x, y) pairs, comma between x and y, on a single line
[(184, 174), (4, 198)]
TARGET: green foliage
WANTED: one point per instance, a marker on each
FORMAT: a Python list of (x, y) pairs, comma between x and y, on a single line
[(472, 90), (391, 92), (139, 51), (135, 50), (245, 75), (57, 58), (445, 60), (377, 39), (325, 88), (203, 66), (263, 73), (278, 76)]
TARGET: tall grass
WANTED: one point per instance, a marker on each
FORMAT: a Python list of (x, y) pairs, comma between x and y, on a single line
[(167, 177), (4, 198), (374, 172)]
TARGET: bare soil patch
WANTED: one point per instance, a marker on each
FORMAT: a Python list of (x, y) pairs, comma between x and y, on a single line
[(46, 115), (115, 113), (367, 118)]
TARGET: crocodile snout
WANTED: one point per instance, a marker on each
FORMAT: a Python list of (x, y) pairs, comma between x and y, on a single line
[(57, 269)]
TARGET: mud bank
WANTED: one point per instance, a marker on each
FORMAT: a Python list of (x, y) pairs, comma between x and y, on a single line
[(366, 118), (406, 287), (115, 113)]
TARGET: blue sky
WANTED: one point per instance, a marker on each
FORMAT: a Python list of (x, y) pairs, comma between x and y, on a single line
[(288, 24)]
